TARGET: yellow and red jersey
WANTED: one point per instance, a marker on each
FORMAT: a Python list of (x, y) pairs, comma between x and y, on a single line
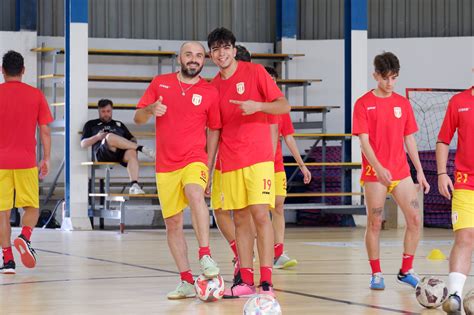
[(22, 109), (387, 121), (460, 116), (245, 140), (181, 131)]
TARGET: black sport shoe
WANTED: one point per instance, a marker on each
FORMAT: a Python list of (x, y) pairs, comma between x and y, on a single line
[(266, 288), (8, 268), (237, 279), (28, 254)]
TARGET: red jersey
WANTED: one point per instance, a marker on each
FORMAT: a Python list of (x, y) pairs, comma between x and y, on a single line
[(387, 121), (285, 128), (22, 108), (460, 117), (181, 131), (245, 140)]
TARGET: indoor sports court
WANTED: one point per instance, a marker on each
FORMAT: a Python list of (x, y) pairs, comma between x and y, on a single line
[(152, 124)]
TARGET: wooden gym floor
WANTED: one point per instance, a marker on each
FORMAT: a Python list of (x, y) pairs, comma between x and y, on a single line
[(103, 272)]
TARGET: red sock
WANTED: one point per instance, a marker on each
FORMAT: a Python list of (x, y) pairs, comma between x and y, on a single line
[(187, 276), (278, 248), (7, 254), (247, 275), (407, 262), (233, 246), (26, 231), (375, 265), (266, 274), (204, 251)]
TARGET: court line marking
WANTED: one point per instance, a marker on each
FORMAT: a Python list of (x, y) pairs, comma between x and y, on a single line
[(324, 298), (82, 279)]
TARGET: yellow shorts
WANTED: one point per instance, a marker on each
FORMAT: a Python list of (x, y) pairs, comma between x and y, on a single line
[(24, 182), (390, 188), (216, 190), (252, 185), (170, 187), (463, 209), (280, 184)]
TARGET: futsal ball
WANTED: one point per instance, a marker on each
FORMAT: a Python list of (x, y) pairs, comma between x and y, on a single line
[(468, 303), (262, 304), (209, 290), (431, 292)]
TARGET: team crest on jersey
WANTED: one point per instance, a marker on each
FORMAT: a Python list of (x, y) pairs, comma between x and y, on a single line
[(397, 111), (118, 123), (240, 88), (197, 99)]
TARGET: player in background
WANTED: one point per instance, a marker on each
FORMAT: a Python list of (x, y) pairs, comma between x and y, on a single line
[(285, 130)]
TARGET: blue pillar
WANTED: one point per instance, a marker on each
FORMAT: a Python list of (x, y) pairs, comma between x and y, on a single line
[(286, 19), (355, 69), (26, 11)]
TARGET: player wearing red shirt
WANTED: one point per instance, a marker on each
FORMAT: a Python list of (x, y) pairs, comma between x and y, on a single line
[(385, 123), (183, 105), (285, 130), (22, 109), (247, 96), (459, 117)]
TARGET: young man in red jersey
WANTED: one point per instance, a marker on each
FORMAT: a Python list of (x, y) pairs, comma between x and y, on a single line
[(22, 109), (183, 105), (247, 95), (459, 117), (224, 218), (385, 124)]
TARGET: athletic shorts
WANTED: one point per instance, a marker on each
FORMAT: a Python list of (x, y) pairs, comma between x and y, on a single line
[(252, 185), (280, 184), (170, 187), (104, 154), (216, 190), (390, 188), (462, 214), (19, 188)]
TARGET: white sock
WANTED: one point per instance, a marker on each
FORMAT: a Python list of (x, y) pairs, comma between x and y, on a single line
[(456, 283)]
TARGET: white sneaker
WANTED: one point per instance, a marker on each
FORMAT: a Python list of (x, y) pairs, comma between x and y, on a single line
[(136, 190), (284, 262), (148, 152), (209, 267), (183, 290)]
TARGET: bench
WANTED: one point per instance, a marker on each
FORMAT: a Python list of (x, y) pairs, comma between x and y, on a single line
[(114, 206)]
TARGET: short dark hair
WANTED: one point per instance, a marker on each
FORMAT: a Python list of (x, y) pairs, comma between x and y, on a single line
[(220, 36), (242, 54), (13, 63), (272, 72), (104, 102), (386, 63)]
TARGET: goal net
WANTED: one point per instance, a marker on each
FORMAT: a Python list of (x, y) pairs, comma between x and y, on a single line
[(429, 106)]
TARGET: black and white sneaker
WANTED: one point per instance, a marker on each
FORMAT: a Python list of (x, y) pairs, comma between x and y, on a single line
[(28, 254), (8, 268)]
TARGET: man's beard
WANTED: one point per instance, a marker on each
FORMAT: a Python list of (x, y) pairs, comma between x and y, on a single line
[(190, 73)]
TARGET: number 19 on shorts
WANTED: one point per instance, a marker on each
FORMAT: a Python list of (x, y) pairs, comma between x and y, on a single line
[(267, 184)]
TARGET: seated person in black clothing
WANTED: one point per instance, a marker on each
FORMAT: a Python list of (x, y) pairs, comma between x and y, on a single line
[(111, 141)]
